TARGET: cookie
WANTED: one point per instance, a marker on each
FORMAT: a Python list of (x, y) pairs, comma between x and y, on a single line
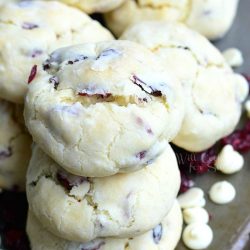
[(100, 109), (213, 92), (82, 209), (92, 6), (41, 27), (15, 147), (164, 236), (212, 18)]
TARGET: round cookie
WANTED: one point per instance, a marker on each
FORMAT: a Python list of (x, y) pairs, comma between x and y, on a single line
[(82, 209), (15, 147), (99, 109), (41, 27), (164, 236), (212, 18), (92, 6), (213, 92)]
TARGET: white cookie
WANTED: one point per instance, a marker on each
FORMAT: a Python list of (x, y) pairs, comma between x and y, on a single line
[(92, 6), (213, 92), (29, 31), (212, 18), (164, 236), (15, 147), (103, 108), (82, 209)]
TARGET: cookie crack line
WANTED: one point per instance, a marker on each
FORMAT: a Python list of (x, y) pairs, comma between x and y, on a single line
[(173, 46)]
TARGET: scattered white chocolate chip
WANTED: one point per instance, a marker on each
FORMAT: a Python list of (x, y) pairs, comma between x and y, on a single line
[(229, 161), (222, 192), (234, 57), (197, 236), (247, 107), (194, 197), (195, 215)]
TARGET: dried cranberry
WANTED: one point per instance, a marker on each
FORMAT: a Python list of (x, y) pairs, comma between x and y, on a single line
[(248, 79), (141, 155), (239, 139), (186, 183), (32, 74), (106, 95), (29, 26), (108, 52), (144, 87), (140, 122), (5, 153), (36, 53), (69, 180), (149, 131), (54, 80), (46, 66), (157, 233)]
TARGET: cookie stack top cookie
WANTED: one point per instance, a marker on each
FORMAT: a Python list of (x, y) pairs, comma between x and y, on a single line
[(40, 27), (100, 109)]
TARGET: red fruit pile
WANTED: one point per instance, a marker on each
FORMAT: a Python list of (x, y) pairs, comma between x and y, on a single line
[(239, 139), (197, 163)]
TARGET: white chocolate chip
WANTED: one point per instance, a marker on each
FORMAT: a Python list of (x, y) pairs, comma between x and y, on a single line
[(233, 57), (247, 107), (197, 236), (229, 161), (241, 88), (222, 192), (194, 197), (195, 215)]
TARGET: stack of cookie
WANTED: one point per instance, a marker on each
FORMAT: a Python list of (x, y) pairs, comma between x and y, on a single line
[(102, 174), (40, 28)]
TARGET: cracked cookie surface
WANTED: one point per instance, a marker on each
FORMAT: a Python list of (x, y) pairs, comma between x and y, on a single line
[(82, 209), (15, 147), (40, 27), (212, 18), (163, 237), (213, 92), (99, 109)]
